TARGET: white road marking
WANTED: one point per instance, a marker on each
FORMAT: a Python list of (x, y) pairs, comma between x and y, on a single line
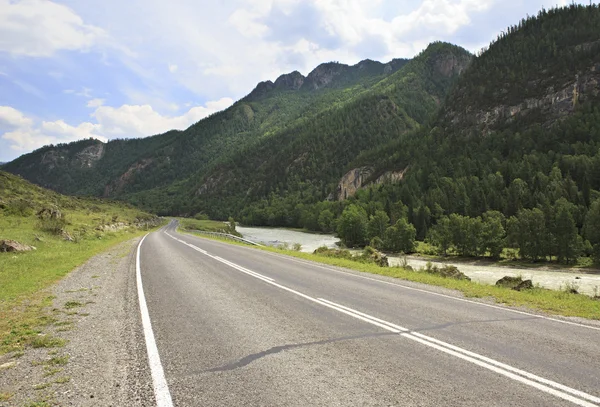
[(548, 386), (468, 355), (313, 264), (159, 382)]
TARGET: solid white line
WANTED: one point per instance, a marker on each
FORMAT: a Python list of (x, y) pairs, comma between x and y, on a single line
[(159, 382), (540, 383), (352, 274)]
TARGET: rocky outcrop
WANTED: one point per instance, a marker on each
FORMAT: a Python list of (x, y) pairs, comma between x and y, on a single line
[(449, 64), (290, 81), (391, 177), (211, 183), (352, 181), (554, 105), (324, 75), (358, 178), (14, 246), (117, 186), (87, 157), (51, 159)]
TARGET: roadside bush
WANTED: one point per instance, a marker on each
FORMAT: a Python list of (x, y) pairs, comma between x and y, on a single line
[(54, 226), (19, 208), (337, 253)]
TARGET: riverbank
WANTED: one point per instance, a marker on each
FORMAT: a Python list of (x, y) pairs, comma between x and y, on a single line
[(481, 271)]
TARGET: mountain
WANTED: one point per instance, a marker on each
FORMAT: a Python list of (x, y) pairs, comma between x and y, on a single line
[(187, 171), (519, 134)]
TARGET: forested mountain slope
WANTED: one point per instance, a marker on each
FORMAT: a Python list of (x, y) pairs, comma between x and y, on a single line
[(518, 135), (120, 167), (168, 173), (303, 162)]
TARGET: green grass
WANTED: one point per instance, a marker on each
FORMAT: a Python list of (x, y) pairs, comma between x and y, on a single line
[(5, 396), (54, 361), (42, 386), (47, 341), (25, 277), (73, 304), (549, 301), (63, 379), (51, 371), (205, 225)]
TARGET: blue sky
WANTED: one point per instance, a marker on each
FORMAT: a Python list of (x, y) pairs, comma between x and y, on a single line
[(108, 69)]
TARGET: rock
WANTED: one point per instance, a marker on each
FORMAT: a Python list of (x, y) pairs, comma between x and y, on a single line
[(352, 181), (447, 270), (49, 213), (509, 281), (14, 246), (524, 285), (291, 81), (515, 283)]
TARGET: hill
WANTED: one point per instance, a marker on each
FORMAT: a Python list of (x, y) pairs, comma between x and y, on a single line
[(60, 233)]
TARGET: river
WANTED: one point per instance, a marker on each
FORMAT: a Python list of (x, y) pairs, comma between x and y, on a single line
[(483, 273)]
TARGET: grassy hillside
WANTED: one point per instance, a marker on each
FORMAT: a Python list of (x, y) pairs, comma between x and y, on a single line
[(84, 228)]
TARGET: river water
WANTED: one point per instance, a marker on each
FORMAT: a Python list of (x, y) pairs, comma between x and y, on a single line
[(487, 274)]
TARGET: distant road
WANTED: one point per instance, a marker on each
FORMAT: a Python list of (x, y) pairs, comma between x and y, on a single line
[(237, 326)]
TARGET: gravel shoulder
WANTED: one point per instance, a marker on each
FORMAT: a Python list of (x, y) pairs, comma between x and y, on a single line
[(92, 352)]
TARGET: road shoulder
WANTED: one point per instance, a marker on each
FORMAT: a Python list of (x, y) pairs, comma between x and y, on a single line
[(92, 352)]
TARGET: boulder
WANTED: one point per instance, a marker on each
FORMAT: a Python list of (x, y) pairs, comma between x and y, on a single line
[(14, 246), (371, 255), (509, 281), (524, 285), (515, 283)]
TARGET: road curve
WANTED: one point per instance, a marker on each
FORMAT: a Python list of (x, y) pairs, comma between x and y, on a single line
[(238, 326)]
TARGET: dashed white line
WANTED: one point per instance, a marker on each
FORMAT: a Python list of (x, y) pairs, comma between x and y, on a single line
[(548, 386), (313, 264), (159, 382)]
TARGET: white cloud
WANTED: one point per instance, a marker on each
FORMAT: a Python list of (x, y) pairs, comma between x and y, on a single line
[(95, 102), (25, 134), (39, 28), (13, 118), (173, 68), (143, 120)]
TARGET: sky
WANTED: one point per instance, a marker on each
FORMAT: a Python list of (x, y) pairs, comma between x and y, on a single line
[(72, 69)]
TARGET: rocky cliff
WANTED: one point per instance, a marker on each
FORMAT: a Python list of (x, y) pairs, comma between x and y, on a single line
[(554, 105), (359, 178)]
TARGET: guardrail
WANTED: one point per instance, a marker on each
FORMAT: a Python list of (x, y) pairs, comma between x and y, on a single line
[(226, 236)]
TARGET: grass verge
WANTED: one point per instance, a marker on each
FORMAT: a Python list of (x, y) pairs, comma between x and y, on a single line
[(66, 232), (549, 301)]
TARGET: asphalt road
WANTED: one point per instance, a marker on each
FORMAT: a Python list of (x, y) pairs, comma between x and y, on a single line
[(238, 326)]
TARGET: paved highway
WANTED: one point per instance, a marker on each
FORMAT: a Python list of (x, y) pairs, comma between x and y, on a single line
[(231, 325)]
